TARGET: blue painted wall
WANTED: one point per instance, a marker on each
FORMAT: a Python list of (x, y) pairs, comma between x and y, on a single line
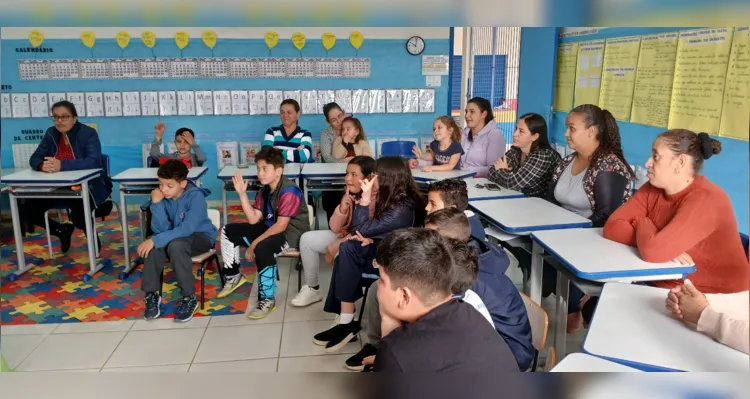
[(729, 169), (392, 68)]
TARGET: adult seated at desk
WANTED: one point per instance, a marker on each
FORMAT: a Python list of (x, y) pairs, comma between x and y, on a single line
[(680, 215), (294, 142), (723, 317), (187, 149), (68, 145), (592, 182), (528, 166), (482, 141)]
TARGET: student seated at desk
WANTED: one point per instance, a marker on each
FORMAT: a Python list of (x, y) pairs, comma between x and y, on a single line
[(528, 165), (352, 142), (294, 142), (445, 151), (423, 327), (182, 229), (452, 193), (187, 149), (68, 145), (723, 317), (396, 203), (274, 225), (314, 243)]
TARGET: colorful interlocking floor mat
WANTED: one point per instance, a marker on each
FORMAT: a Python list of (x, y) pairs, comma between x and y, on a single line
[(54, 291)]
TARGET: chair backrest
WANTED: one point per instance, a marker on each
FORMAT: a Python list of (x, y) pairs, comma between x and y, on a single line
[(539, 322), (310, 215), (401, 148), (744, 239), (105, 163), (551, 360), (215, 217)]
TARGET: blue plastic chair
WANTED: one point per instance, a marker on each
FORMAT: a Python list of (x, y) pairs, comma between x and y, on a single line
[(398, 148), (744, 239)]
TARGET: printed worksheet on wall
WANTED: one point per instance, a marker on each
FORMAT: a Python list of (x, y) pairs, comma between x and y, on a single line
[(273, 101), (411, 101), (39, 106), (226, 154), (248, 151), (344, 99), (204, 102), (360, 102), (257, 102)]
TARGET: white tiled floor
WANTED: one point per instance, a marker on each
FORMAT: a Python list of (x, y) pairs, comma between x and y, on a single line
[(281, 342)]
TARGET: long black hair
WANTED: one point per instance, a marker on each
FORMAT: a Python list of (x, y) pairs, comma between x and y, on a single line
[(607, 132), (396, 185), (484, 105), (536, 125)]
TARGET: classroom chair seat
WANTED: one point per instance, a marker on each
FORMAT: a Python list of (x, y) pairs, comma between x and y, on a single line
[(539, 326), (294, 253)]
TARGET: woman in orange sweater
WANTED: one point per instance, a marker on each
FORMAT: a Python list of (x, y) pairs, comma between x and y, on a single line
[(680, 215)]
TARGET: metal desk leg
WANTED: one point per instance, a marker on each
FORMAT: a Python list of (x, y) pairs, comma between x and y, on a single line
[(535, 279), (125, 232), (561, 314), (22, 267), (95, 267), (224, 201)]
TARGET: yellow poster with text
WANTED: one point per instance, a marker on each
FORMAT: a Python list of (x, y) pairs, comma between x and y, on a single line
[(589, 72), (699, 79), (618, 76), (735, 116), (653, 80), (565, 78)]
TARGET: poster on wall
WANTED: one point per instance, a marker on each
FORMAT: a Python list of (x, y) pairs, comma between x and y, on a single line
[(735, 115), (248, 151), (618, 76), (565, 79), (435, 65), (226, 154), (589, 72), (652, 92)]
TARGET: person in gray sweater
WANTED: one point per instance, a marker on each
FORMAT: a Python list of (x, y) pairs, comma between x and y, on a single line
[(187, 149)]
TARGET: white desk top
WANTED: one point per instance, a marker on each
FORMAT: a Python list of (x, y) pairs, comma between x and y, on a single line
[(28, 177), (588, 255), (524, 215), (438, 176), (483, 194), (318, 170), (291, 170), (148, 175), (583, 363), (631, 326)]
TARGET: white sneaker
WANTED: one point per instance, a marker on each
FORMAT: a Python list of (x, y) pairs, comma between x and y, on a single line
[(306, 296), (262, 309)]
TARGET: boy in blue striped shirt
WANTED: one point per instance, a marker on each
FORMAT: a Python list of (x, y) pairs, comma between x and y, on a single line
[(294, 142)]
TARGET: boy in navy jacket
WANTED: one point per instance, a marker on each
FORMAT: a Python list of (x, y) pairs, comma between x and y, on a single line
[(182, 229)]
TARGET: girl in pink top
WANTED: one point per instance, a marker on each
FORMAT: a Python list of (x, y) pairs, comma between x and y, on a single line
[(482, 141)]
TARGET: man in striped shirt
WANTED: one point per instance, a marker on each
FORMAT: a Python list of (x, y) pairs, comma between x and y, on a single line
[(293, 141)]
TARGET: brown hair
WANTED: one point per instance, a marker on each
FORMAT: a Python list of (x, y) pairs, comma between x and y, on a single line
[(451, 223), (272, 156), (451, 124), (357, 125), (698, 146), (607, 132)]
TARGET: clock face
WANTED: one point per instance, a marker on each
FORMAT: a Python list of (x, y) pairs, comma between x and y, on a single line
[(415, 45)]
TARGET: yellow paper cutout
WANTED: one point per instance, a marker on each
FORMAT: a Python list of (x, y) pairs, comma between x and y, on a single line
[(356, 39), (272, 39), (148, 38), (209, 37), (123, 39), (699, 79), (88, 38), (181, 39), (735, 115), (329, 40), (653, 80), (298, 39), (36, 37), (565, 80)]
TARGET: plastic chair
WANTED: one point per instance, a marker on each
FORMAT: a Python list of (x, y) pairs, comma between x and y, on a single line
[(744, 239), (539, 325), (551, 360), (294, 253), (398, 148), (367, 280)]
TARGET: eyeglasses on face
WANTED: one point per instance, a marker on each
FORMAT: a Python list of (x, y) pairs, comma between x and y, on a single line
[(63, 118)]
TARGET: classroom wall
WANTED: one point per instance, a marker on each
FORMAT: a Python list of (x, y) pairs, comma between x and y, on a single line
[(729, 170), (537, 73), (122, 137)]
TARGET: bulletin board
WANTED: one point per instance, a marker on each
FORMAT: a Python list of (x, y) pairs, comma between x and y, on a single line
[(226, 94)]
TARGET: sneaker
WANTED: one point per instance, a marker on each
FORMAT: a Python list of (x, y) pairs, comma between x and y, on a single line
[(186, 310), (367, 369), (306, 296), (231, 284), (262, 309), (354, 363), (64, 233), (337, 336), (153, 306)]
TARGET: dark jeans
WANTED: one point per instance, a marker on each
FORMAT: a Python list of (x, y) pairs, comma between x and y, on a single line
[(330, 200), (346, 280), (32, 211), (549, 279), (180, 252)]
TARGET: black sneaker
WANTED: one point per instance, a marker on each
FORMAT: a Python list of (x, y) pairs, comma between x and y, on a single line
[(186, 310), (337, 336), (354, 363), (367, 369), (153, 306), (64, 233)]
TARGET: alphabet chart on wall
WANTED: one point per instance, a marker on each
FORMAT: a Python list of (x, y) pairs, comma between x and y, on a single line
[(257, 102), (240, 102), (113, 103), (310, 102), (131, 103), (185, 103), (6, 109), (222, 102), (343, 99), (79, 101), (167, 103), (149, 103), (94, 104), (39, 105), (204, 102)]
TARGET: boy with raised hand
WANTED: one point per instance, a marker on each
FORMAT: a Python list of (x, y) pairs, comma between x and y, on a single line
[(184, 140), (182, 229), (275, 223), (423, 327), (294, 142), (453, 193)]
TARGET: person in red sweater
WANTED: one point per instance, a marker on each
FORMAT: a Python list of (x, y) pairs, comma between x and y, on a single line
[(680, 215)]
